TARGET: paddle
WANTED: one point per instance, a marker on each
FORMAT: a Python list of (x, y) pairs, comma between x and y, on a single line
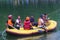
[(45, 29), (12, 26), (42, 28)]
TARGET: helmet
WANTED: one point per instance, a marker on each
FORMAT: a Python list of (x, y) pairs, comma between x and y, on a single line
[(9, 16), (27, 18)]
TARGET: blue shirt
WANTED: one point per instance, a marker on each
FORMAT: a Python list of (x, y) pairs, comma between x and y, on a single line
[(31, 19)]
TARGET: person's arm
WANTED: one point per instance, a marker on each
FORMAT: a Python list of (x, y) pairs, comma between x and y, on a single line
[(20, 22), (6, 23), (13, 21)]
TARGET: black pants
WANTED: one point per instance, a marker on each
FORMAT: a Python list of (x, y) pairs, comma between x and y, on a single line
[(35, 24), (10, 27), (17, 28)]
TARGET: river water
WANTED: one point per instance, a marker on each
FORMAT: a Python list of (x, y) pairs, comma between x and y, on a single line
[(27, 8)]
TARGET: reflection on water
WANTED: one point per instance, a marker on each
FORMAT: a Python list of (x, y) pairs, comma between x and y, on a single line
[(22, 2), (48, 36)]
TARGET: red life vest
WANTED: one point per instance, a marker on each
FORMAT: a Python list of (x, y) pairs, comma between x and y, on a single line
[(27, 25)]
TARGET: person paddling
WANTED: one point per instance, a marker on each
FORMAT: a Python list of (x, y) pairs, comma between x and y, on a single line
[(45, 18), (41, 23), (32, 20), (18, 22), (27, 22), (10, 22)]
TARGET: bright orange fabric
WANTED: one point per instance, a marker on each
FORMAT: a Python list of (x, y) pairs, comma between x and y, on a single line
[(10, 22)]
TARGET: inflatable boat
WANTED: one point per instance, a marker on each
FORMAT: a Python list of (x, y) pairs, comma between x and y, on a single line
[(52, 25)]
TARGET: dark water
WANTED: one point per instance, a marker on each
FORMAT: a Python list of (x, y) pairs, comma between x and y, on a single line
[(27, 8)]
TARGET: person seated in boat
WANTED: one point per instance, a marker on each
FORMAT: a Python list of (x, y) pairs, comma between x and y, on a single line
[(10, 22), (27, 23), (18, 22), (45, 18), (32, 20), (41, 24)]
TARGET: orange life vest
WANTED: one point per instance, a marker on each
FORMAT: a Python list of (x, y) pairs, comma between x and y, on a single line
[(10, 22)]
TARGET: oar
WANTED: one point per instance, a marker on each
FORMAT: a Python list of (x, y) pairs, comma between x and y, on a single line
[(12, 26), (42, 28), (5, 29), (45, 29)]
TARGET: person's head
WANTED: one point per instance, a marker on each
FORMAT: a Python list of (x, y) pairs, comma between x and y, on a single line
[(9, 16), (32, 16), (27, 18), (18, 17), (41, 16), (45, 15)]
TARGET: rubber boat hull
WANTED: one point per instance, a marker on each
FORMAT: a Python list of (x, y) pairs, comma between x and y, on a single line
[(34, 31)]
